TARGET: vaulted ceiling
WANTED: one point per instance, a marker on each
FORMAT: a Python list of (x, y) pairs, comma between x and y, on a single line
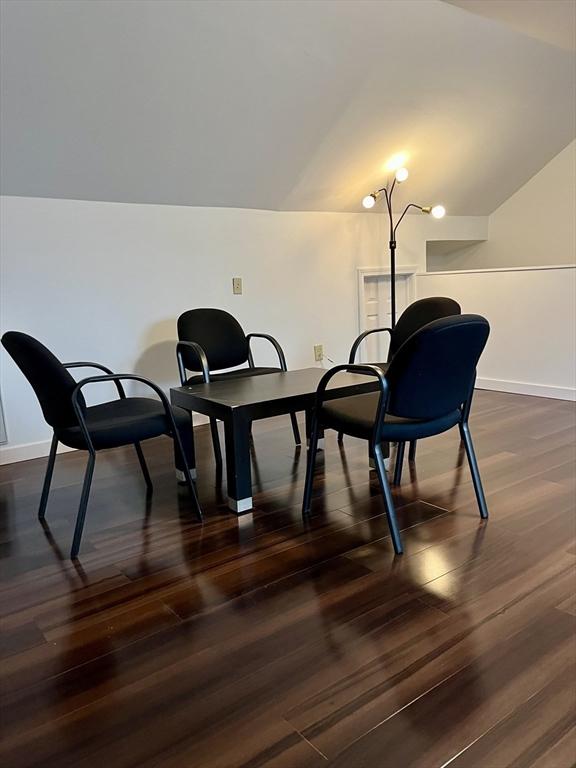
[(551, 20), (277, 104)]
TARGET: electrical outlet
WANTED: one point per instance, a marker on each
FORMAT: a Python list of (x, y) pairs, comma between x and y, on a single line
[(237, 286), (318, 352)]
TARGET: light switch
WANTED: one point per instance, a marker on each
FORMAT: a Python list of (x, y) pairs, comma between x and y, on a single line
[(237, 285)]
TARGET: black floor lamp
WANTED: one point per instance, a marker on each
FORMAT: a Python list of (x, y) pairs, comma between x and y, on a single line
[(438, 211)]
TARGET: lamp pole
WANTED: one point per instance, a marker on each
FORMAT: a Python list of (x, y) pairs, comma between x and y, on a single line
[(369, 201)]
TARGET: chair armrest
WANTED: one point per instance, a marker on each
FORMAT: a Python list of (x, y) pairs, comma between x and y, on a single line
[(275, 344), (180, 347), (100, 367), (117, 377), (361, 338), (366, 370)]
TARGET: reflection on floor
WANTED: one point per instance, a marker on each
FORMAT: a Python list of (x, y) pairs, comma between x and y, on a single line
[(264, 642)]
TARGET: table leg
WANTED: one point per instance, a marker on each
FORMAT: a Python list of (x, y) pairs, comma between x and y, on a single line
[(237, 440), (309, 431)]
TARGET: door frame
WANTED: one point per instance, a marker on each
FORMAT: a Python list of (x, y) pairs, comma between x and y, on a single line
[(364, 273)]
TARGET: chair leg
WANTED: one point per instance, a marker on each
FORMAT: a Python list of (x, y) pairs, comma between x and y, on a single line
[(216, 442), (388, 501), (144, 467), (295, 429), (310, 464), (412, 451), (83, 504), (399, 462), (48, 478), (186, 469), (467, 439), (340, 438)]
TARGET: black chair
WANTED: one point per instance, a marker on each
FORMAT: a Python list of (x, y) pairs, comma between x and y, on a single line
[(212, 340), (414, 317), (427, 389), (128, 420)]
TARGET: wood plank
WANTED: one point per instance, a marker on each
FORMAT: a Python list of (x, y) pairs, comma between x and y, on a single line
[(472, 701)]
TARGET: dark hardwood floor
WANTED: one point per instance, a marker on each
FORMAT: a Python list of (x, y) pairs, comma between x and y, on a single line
[(261, 642)]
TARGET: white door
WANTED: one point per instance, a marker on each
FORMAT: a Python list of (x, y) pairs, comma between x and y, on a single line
[(377, 313)]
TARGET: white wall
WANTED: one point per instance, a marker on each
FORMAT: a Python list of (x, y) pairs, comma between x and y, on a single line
[(532, 314), (106, 282), (535, 226), (531, 307)]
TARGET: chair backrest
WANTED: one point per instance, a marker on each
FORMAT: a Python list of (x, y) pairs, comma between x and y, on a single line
[(218, 333), (51, 382), (433, 372), (418, 314)]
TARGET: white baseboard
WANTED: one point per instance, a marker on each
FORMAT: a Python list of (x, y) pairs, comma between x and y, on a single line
[(9, 454), (525, 388)]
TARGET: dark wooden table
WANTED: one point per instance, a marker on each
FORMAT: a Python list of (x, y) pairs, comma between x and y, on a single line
[(239, 402)]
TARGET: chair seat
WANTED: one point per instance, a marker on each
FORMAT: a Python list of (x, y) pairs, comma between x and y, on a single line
[(355, 416), (122, 422), (239, 373)]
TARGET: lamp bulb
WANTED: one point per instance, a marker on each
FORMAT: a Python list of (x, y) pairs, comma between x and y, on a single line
[(438, 211), (369, 201), (401, 175)]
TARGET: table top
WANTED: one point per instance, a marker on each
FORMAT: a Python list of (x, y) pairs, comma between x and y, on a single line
[(269, 391)]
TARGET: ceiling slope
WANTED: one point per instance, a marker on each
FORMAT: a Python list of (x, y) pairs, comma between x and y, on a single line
[(277, 105), (551, 20)]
